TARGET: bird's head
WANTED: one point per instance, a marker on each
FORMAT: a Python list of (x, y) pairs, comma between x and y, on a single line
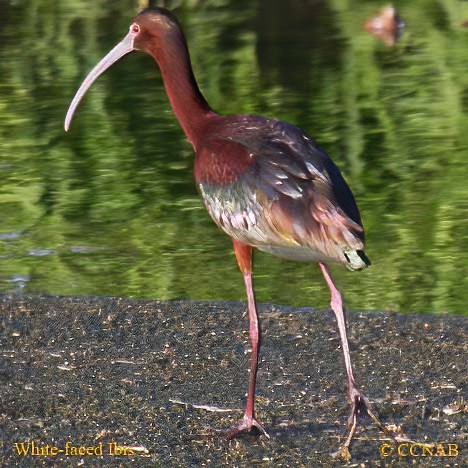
[(146, 33)]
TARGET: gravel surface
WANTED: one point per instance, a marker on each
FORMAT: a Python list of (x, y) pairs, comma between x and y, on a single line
[(98, 381)]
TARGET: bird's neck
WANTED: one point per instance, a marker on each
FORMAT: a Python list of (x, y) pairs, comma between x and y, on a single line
[(188, 104)]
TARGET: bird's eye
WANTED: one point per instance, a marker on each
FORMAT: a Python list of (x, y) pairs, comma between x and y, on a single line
[(135, 28)]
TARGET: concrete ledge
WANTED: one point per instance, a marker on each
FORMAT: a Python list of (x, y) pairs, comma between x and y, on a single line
[(142, 383)]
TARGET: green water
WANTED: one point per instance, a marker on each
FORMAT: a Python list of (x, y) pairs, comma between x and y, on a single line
[(110, 208)]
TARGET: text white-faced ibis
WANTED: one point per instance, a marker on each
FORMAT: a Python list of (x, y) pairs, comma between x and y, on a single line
[(266, 183)]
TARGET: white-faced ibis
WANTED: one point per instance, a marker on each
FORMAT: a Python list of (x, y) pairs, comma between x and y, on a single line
[(266, 183)]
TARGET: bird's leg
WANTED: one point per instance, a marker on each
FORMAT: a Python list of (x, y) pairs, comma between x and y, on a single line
[(337, 306), (358, 401), (244, 259)]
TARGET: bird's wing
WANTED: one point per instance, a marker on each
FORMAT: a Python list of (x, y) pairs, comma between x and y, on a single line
[(285, 192)]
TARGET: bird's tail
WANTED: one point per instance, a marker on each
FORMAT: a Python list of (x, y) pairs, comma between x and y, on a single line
[(357, 259)]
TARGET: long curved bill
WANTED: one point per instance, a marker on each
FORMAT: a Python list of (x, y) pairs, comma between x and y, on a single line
[(122, 48)]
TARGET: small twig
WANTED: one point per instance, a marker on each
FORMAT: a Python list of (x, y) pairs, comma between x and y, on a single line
[(214, 409)]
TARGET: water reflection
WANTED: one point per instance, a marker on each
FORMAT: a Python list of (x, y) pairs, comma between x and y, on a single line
[(111, 208)]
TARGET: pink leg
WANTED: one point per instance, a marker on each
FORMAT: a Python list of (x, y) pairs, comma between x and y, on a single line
[(358, 401), (244, 259), (254, 336), (337, 306)]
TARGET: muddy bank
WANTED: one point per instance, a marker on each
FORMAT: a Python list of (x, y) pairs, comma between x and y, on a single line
[(118, 382)]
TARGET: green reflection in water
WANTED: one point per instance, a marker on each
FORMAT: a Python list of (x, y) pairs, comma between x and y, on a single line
[(110, 208)]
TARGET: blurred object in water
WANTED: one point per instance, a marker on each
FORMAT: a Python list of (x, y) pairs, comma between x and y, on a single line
[(387, 26)]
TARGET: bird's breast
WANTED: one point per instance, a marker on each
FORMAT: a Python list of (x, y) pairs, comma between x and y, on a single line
[(237, 212), (220, 162)]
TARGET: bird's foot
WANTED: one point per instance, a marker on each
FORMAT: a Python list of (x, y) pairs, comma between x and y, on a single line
[(359, 405), (247, 425)]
